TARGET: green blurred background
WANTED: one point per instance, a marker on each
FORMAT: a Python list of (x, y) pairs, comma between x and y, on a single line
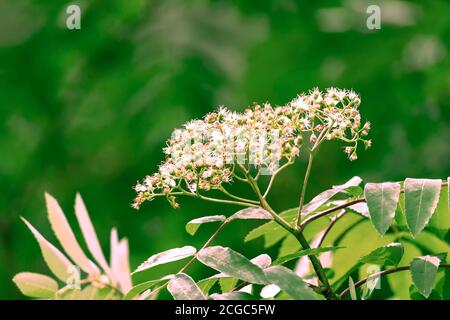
[(89, 110)]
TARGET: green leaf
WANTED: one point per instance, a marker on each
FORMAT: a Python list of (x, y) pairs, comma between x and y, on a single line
[(182, 287), (382, 199), (389, 255), (291, 283), (193, 225), (227, 284), (323, 197), (416, 295), (232, 296), (307, 252), (206, 284), (232, 264), (440, 221), (138, 289), (352, 288), (423, 272), (421, 198), (55, 259), (446, 285), (272, 231), (35, 285), (166, 257)]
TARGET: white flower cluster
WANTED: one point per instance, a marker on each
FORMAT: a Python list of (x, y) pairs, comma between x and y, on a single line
[(205, 153)]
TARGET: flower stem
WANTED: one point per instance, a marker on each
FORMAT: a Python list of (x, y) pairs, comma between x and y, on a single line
[(305, 185)]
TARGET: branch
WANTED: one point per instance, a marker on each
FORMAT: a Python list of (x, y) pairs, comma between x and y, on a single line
[(330, 226), (343, 206), (380, 274), (331, 210), (272, 178)]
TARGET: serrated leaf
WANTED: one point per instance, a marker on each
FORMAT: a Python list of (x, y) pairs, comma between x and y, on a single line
[(35, 285), (323, 197), (421, 198), (182, 287), (301, 253), (166, 257), (251, 213), (232, 296), (289, 282), (423, 272), (382, 199), (138, 289), (55, 259), (90, 236), (351, 285), (360, 208), (193, 225), (66, 237), (232, 264), (389, 255), (415, 295)]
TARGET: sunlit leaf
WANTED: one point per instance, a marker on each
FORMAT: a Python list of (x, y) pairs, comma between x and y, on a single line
[(252, 213), (66, 237), (301, 253), (166, 257), (90, 236), (138, 289), (389, 255), (423, 272), (55, 259), (351, 286), (193, 225), (289, 282), (120, 262), (232, 264), (382, 199), (182, 287), (421, 198), (35, 285)]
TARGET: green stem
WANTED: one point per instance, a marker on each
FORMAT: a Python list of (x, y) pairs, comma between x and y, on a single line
[(298, 234), (302, 195)]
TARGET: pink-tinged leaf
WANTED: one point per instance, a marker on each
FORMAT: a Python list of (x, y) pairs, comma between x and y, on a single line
[(90, 236), (35, 285), (66, 237), (55, 259), (120, 263)]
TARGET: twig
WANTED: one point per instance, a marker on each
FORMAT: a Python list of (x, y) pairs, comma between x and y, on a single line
[(380, 274), (330, 226), (305, 184), (272, 178)]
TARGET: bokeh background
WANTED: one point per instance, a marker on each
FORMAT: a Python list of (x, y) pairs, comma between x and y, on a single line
[(89, 110)]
